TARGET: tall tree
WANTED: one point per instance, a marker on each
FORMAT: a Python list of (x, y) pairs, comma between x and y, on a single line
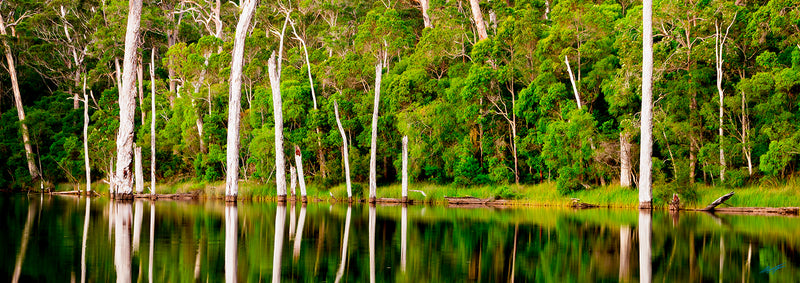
[(646, 146), (373, 179), (477, 17), (127, 104), (234, 101), (12, 72)]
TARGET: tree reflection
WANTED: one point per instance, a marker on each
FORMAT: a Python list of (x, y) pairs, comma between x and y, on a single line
[(645, 249), (231, 241), (280, 220), (122, 242)]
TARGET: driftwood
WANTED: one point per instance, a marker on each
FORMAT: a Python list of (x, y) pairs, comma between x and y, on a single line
[(717, 202), (181, 196), (577, 203)]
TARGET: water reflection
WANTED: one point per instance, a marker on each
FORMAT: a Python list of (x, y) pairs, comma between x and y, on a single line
[(645, 248), (122, 241), (138, 214), (231, 241), (280, 220), (441, 245), (298, 240)]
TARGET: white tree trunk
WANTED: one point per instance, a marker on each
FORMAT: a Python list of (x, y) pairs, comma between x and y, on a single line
[(277, 106), (645, 249), (746, 136), (340, 272), (426, 19), (477, 17), (280, 221), (122, 243), (12, 71), (345, 150), (139, 170), (127, 104), (152, 122), (234, 104), (87, 166), (719, 44), (574, 85), (231, 241), (140, 80), (646, 147), (625, 173), (405, 169), (298, 159), (374, 144), (298, 236), (118, 74), (293, 180)]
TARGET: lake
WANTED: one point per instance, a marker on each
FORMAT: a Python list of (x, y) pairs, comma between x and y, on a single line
[(72, 239)]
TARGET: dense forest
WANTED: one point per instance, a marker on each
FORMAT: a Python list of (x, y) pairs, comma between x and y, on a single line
[(488, 92)]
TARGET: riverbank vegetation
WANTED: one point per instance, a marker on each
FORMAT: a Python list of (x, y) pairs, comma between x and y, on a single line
[(531, 100)]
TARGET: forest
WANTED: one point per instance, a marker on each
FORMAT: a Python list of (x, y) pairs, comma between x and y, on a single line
[(487, 92)]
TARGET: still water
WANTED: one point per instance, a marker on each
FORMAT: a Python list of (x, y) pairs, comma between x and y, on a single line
[(72, 239)]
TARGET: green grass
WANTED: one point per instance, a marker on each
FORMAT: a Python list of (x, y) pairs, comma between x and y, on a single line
[(545, 194)]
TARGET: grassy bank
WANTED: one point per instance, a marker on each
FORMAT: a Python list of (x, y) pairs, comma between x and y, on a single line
[(698, 196)]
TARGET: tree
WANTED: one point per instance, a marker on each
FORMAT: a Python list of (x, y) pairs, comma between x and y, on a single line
[(123, 181), (477, 18), (234, 102), (374, 141), (12, 72), (646, 146)]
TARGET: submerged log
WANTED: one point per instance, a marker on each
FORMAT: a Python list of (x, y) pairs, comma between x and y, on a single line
[(467, 200), (577, 203), (759, 210), (717, 202)]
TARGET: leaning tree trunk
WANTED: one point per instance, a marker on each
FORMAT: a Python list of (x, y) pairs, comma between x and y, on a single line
[(234, 104), (12, 71), (127, 104), (477, 17), (301, 180), (646, 147), (426, 19), (374, 144), (153, 122), (344, 151), (86, 140)]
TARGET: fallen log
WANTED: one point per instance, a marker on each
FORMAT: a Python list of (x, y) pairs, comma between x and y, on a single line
[(467, 200), (717, 202), (67, 193), (759, 210), (577, 203)]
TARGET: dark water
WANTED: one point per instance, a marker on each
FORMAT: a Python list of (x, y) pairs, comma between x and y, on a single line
[(56, 239)]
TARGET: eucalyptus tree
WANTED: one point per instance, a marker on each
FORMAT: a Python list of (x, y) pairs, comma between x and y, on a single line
[(646, 147), (234, 104), (123, 180)]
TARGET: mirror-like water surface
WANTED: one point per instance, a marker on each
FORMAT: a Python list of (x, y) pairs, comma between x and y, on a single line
[(59, 239)]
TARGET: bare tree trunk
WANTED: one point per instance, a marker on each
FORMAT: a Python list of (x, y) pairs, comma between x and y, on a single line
[(746, 136), (280, 165), (234, 104), (625, 172), (405, 169), (280, 221), (153, 122), (425, 18), (374, 144), (719, 44), (127, 104), (345, 150), (12, 71), (298, 159), (293, 180), (574, 86), (645, 150), (232, 240), (171, 40), (477, 17), (340, 272), (137, 151), (118, 74), (87, 166), (140, 80)]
